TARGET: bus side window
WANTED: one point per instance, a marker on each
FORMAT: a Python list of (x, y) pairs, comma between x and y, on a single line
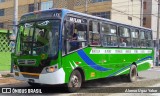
[(66, 36), (94, 33), (109, 35), (125, 38), (142, 39), (75, 36), (135, 39), (149, 39)]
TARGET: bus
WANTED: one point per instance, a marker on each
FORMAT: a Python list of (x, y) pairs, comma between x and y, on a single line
[(60, 46)]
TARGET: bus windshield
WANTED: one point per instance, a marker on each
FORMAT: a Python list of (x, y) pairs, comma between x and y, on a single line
[(39, 37)]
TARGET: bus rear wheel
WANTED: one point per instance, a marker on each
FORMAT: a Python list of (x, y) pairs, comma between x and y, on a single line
[(132, 76), (75, 81)]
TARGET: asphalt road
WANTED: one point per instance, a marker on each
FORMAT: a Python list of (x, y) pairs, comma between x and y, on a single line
[(113, 86)]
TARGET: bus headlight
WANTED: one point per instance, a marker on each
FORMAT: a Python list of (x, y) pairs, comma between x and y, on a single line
[(51, 69)]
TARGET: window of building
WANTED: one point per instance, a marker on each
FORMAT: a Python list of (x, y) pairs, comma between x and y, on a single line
[(1, 12), (129, 18), (145, 5), (135, 38), (47, 5), (102, 14), (109, 33), (95, 1), (94, 33), (1, 25), (125, 38), (2, 1), (31, 8)]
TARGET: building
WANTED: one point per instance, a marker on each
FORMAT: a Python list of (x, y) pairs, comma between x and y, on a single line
[(124, 11), (25, 6), (150, 11)]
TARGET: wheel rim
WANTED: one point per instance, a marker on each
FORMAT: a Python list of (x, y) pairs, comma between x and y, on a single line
[(134, 74), (75, 81)]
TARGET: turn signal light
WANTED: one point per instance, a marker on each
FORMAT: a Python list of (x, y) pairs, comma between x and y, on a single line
[(52, 69)]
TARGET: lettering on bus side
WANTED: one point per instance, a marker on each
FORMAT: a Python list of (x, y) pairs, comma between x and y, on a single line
[(128, 51), (56, 14), (76, 20), (118, 51), (107, 51), (135, 51), (96, 51)]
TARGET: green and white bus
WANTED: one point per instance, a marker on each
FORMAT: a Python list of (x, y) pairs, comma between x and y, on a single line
[(60, 46)]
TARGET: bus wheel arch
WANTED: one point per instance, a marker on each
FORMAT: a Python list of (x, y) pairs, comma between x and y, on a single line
[(82, 73), (134, 63)]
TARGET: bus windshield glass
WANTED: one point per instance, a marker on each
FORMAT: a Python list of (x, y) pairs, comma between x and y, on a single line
[(39, 37)]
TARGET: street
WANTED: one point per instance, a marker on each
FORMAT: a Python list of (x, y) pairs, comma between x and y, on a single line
[(113, 86)]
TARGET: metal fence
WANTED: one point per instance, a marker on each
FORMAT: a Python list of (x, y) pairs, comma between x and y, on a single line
[(5, 51)]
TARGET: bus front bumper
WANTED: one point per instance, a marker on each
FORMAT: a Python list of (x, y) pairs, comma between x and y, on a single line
[(57, 77)]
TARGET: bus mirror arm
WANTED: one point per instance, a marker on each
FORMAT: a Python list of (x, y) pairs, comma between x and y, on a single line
[(8, 34)]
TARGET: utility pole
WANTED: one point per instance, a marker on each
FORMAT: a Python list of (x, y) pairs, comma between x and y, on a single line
[(141, 14), (15, 29), (39, 7), (158, 33), (86, 6), (35, 5), (15, 21)]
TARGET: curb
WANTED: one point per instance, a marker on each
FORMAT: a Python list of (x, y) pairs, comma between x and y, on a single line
[(6, 74)]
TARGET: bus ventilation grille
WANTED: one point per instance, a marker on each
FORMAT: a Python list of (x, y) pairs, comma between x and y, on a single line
[(22, 61)]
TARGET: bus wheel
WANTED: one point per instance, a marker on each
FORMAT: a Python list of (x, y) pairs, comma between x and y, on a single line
[(75, 81), (133, 73), (34, 84)]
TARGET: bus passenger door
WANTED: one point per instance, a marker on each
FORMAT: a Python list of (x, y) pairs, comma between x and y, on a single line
[(95, 43)]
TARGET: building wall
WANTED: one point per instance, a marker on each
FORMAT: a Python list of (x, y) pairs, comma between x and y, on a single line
[(93, 7), (119, 10), (150, 14), (147, 11), (127, 12), (154, 18), (8, 6)]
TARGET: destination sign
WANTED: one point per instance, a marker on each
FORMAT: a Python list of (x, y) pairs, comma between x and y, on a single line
[(41, 15), (76, 20)]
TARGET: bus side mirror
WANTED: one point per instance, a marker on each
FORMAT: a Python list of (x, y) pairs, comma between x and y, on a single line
[(8, 34)]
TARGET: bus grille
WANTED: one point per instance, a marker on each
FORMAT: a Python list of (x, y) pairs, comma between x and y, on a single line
[(24, 61), (31, 69)]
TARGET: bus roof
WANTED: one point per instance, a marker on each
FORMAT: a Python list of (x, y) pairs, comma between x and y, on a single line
[(66, 11)]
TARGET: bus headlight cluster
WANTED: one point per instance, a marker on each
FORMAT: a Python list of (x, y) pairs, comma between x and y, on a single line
[(51, 69)]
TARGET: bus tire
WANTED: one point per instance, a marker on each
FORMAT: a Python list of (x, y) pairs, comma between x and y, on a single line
[(132, 76), (34, 84), (75, 81)]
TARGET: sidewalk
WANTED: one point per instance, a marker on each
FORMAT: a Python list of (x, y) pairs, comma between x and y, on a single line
[(5, 74)]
